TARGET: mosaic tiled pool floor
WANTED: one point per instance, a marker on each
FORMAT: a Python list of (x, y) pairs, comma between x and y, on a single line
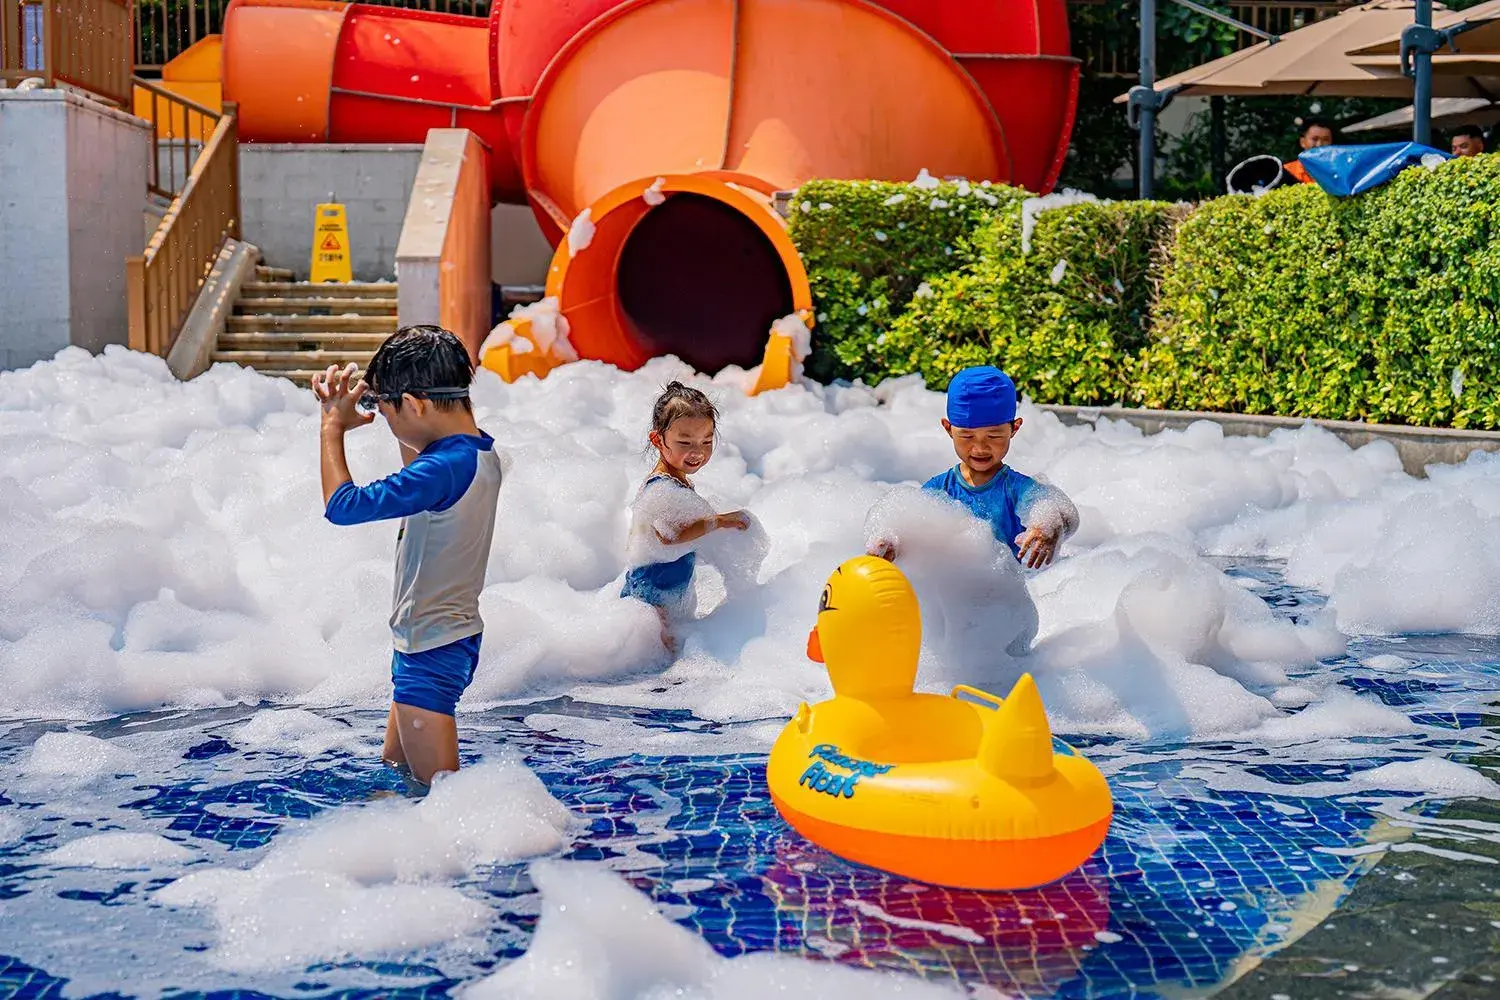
[(1220, 873)]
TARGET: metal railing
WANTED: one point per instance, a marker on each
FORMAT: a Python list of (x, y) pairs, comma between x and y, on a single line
[(182, 129), (82, 43), (166, 28), (163, 283), (1276, 17)]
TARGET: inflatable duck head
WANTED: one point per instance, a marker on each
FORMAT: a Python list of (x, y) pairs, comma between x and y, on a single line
[(869, 630)]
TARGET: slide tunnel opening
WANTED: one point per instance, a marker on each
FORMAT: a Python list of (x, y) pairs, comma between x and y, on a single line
[(698, 279)]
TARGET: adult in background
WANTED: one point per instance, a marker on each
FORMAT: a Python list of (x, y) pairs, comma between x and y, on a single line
[(1315, 132), (1466, 140)]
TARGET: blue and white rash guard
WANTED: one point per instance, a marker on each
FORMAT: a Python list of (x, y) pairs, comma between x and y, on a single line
[(446, 498), (1011, 502)]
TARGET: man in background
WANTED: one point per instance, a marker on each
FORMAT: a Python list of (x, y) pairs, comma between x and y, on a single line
[(1315, 132), (1467, 140)]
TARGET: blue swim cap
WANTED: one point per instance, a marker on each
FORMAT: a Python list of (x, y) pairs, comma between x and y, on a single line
[(982, 396)]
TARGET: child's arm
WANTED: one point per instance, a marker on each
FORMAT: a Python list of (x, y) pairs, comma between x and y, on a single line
[(1049, 517), (340, 415), (431, 484), (886, 545), (695, 530)]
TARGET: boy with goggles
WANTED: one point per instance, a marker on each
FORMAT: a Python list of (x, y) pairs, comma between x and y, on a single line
[(445, 496)]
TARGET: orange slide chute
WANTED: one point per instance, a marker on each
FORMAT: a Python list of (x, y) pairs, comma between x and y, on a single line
[(665, 126)]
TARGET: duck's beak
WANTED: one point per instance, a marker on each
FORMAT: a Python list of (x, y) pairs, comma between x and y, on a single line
[(814, 646)]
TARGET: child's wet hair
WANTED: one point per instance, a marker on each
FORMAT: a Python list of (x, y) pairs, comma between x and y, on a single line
[(678, 401), (423, 356)]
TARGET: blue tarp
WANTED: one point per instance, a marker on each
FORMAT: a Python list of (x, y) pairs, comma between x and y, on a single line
[(1349, 170)]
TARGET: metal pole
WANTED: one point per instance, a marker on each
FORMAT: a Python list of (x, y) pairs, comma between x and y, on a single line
[(1147, 169), (1421, 118), (1217, 141)]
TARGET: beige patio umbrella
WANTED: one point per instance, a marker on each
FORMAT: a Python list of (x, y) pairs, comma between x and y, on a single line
[(1472, 62), (1479, 34), (1447, 112), (1313, 61)]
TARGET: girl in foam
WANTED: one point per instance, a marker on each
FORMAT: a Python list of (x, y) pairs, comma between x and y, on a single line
[(668, 515)]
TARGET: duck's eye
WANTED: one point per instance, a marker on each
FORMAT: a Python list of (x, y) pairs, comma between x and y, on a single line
[(825, 603)]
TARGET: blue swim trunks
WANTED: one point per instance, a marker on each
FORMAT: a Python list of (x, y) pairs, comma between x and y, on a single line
[(434, 678), (660, 584)]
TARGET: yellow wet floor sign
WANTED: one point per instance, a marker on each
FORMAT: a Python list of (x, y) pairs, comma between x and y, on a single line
[(330, 253)]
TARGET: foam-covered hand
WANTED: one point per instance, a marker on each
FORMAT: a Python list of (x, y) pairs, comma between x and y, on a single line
[(736, 519), (1038, 546)]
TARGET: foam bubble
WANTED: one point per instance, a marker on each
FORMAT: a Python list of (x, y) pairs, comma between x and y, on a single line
[(76, 758), (600, 939), (361, 880), (117, 850)]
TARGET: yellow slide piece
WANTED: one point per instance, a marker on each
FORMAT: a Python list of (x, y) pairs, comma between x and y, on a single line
[(195, 76)]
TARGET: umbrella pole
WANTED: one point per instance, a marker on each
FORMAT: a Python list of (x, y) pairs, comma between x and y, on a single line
[(1146, 122), (1421, 117)]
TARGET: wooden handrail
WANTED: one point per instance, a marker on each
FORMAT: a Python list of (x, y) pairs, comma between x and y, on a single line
[(181, 128), (164, 282), (86, 44)]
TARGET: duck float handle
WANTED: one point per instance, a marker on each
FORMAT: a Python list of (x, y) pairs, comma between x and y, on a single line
[(928, 787)]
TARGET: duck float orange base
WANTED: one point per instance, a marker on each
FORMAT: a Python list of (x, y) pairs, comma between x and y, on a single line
[(964, 790)]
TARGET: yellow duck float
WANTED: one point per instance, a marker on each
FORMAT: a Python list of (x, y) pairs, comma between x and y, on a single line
[(929, 787)]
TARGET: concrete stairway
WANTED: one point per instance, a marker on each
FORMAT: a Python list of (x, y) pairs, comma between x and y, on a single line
[(296, 328)]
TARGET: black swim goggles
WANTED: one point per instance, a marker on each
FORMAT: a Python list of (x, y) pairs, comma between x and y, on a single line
[(371, 400)]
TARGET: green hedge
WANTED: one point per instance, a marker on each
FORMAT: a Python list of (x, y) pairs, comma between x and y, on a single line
[(868, 246), (952, 287), (1369, 308)]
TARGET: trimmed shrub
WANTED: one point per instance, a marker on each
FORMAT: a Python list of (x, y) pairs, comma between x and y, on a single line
[(1063, 317), (915, 280), (868, 246), (1380, 307)]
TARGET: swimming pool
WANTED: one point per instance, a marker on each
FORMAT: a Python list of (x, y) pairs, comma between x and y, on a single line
[(1221, 853)]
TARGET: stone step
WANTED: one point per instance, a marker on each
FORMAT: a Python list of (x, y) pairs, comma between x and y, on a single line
[(284, 361), (309, 306), (311, 324), (306, 289), (355, 342), (267, 273)]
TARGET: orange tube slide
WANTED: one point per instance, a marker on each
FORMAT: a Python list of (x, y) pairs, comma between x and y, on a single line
[(669, 122), (326, 71)]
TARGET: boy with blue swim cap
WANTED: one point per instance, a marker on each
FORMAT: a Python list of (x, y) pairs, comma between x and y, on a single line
[(1031, 518), (445, 496)]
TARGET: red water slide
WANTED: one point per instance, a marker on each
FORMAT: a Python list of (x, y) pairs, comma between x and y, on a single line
[(672, 122)]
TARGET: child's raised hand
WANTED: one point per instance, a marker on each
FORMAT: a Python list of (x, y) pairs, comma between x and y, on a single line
[(339, 398), (1037, 546), (736, 519)]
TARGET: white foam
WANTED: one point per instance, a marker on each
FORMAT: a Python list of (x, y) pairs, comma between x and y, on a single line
[(361, 881), (581, 232), (295, 730), (600, 939), (117, 850), (76, 758), (166, 547)]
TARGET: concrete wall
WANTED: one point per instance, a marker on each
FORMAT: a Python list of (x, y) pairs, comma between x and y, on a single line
[(72, 183), (280, 185), (519, 253)]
